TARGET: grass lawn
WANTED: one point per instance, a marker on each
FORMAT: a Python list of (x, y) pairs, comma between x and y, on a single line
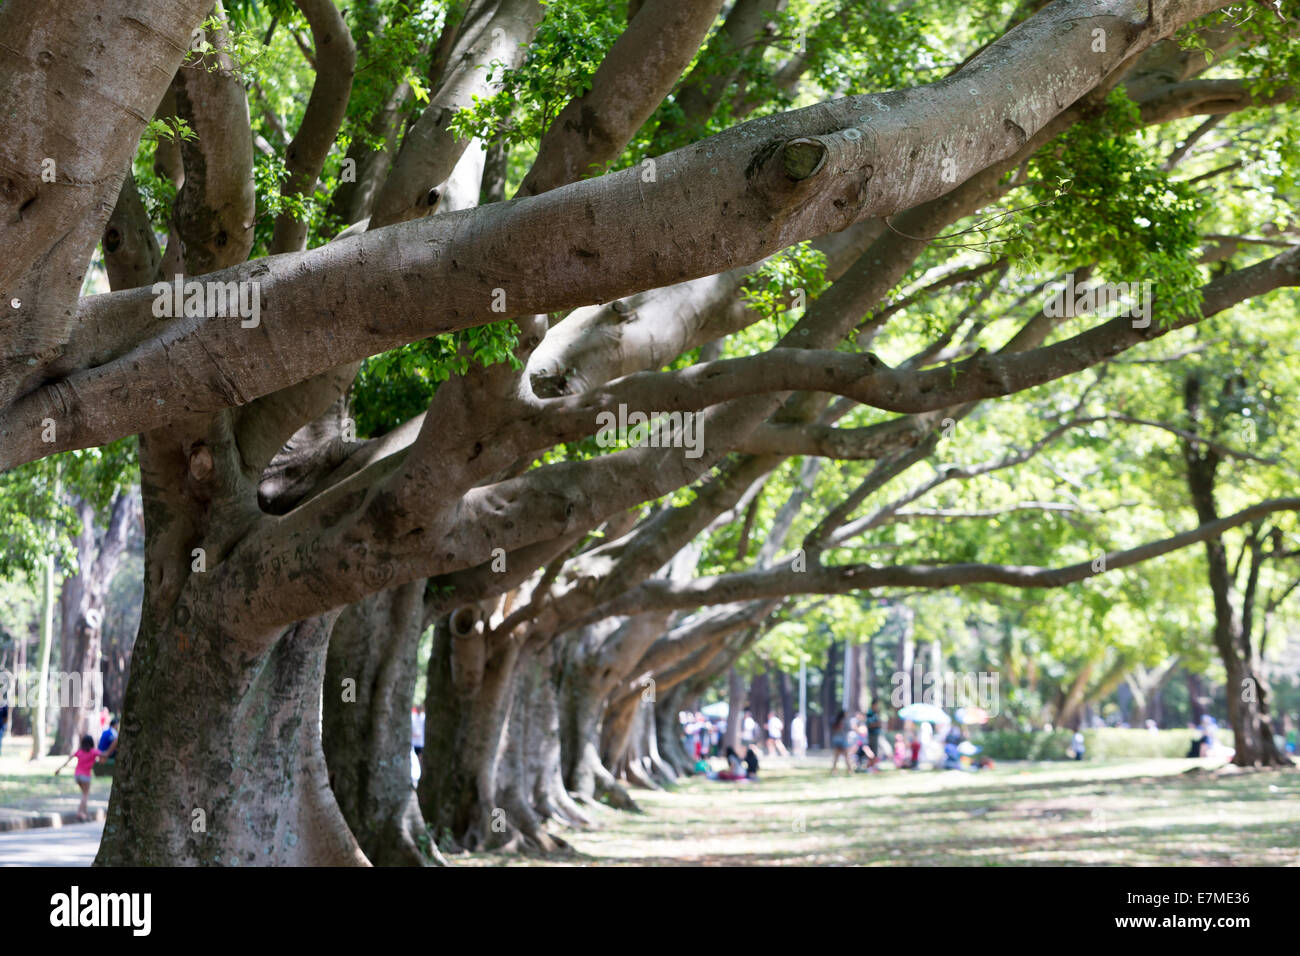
[(28, 785), (1127, 812)]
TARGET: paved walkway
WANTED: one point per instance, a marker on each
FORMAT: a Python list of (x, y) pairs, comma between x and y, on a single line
[(49, 812), (74, 845)]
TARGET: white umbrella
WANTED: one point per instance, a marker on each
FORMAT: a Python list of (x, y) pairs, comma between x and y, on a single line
[(720, 709), (924, 714)]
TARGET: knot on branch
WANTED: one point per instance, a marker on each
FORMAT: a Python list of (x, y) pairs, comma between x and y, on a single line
[(201, 464), (463, 622), (803, 158)]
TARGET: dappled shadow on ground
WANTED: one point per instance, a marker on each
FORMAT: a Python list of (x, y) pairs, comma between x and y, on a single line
[(1250, 846), (1131, 813)]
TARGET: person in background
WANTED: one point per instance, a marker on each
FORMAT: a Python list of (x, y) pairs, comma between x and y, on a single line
[(1210, 730), (862, 754), (4, 722), (1077, 745), (417, 730), (874, 725), (925, 753), (735, 766), (86, 756), (774, 743), (704, 737), (840, 742), (901, 752), (751, 763), (108, 740), (798, 736), (733, 759), (951, 755), (749, 729)]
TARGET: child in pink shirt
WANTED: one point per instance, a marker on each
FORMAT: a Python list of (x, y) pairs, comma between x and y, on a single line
[(85, 757), (900, 752)]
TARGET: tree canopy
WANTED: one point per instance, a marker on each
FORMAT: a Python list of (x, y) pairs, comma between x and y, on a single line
[(613, 344)]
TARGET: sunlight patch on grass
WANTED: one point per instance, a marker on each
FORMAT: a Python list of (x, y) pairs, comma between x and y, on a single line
[(1145, 812)]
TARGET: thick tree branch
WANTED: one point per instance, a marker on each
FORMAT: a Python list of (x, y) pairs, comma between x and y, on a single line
[(769, 183), (559, 498), (784, 581), (636, 74), (429, 151), (131, 253), (61, 80), (1201, 97), (215, 206), (991, 375), (336, 60), (703, 89)]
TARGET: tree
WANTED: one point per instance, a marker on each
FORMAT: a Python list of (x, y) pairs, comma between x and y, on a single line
[(83, 604), (1234, 627), (286, 518)]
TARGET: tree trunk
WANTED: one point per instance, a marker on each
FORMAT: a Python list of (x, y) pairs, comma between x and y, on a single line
[(465, 735), (642, 763), (830, 703), (921, 688), (1248, 711), (936, 674), (618, 732), (1068, 711), (648, 743), (901, 689), (760, 702), (787, 707), (75, 640), (1195, 696), (43, 656), (735, 709), (224, 766), (82, 602), (870, 683), (366, 730), (861, 681), (524, 771), (118, 641), (1247, 691), (582, 701), (668, 730), (579, 724), (542, 743)]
